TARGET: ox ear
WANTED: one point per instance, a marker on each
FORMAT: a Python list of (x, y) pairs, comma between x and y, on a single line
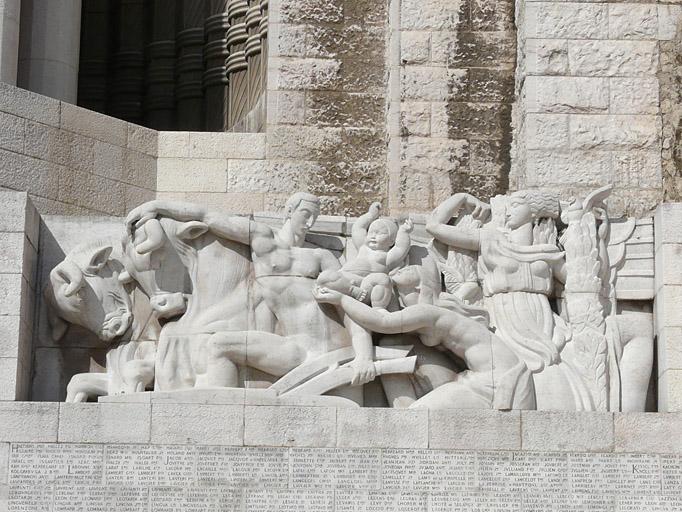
[(191, 230), (99, 259), (58, 326)]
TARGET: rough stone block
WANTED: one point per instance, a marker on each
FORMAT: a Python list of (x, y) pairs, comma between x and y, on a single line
[(669, 17), (639, 169), (424, 83), (250, 146), (648, 432), (633, 21), (143, 139), (495, 16), (302, 143), (34, 176), (30, 105), (633, 95), (197, 424), (546, 57), (415, 118), (557, 168), (469, 429), (173, 144), (305, 74), (191, 175), (289, 426), (135, 196), (484, 50), (139, 169), (613, 58), (34, 422), (382, 428), (430, 14), (93, 124), (286, 107), (91, 191), (546, 131), (668, 269), (615, 132), (229, 202), (564, 431), (415, 47), (12, 129), (108, 160), (566, 94), (668, 304), (261, 176), (668, 224), (567, 20), (104, 423)]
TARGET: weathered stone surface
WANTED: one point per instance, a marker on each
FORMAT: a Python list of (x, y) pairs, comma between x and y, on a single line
[(546, 57), (633, 21), (289, 426), (566, 94), (197, 424), (173, 144), (431, 14), (104, 423), (23, 103), (669, 17), (648, 432), (633, 95), (566, 20), (382, 428), (93, 124), (546, 131), (614, 132), (28, 422), (613, 58), (191, 175), (474, 430), (226, 145), (415, 46), (143, 139), (669, 384), (567, 431)]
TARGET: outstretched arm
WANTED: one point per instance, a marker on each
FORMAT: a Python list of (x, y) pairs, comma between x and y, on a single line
[(437, 224), (403, 241), (409, 319), (223, 225), (359, 231)]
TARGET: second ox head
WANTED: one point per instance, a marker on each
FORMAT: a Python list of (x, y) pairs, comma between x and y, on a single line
[(158, 256)]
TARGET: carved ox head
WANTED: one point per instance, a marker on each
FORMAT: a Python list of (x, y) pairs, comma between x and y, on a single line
[(158, 257), (84, 289)]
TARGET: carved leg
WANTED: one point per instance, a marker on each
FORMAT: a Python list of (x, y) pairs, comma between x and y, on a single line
[(453, 395), (380, 289), (636, 332), (87, 385)]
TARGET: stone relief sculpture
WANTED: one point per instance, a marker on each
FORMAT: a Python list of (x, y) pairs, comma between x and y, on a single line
[(507, 305)]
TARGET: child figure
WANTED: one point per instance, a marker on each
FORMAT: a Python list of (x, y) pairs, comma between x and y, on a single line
[(382, 247)]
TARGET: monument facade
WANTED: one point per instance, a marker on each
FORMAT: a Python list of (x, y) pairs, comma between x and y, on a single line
[(425, 258)]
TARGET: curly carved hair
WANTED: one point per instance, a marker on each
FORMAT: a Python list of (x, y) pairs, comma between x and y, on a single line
[(543, 205)]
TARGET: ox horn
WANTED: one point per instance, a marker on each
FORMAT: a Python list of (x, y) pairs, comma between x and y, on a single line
[(71, 275), (154, 237)]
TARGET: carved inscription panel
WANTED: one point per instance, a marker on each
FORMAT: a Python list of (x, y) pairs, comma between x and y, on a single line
[(158, 478)]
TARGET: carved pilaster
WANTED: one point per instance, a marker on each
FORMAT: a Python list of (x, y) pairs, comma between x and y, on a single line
[(215, 74), (94, 55), (190, 65), (237, 36), (159, 102), (128, 76)]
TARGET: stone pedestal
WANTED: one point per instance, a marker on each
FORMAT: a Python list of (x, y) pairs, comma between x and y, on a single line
[(49, 48)]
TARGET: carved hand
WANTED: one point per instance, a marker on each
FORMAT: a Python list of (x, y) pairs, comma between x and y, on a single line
[(364, 371), (481, 210), (138, 216), (327, 295), (375, 209), (407, 226)]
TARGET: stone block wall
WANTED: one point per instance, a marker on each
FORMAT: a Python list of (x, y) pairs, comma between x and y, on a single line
[(589, 112), (452, 101), (71, 160), (326, 101), (246, 458), (18, 259)]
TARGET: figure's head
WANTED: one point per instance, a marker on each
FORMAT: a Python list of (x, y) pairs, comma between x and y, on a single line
[(302, 210), (527, 206), (84, 289), (381, 234)]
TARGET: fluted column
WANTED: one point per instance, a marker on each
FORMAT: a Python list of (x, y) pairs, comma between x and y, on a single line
[(49, 45), (128, 86), (252, 51), (236, 62), (94, 55), (9, 40), (190, 65), (215, 74), (159, 104)]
